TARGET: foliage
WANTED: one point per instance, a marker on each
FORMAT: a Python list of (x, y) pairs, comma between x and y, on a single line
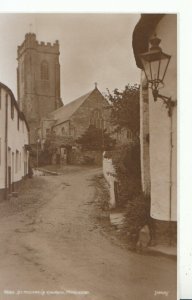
[(50, 145), (126, 160), (49, 148), (137, 215), (124, 107), (96, 139)]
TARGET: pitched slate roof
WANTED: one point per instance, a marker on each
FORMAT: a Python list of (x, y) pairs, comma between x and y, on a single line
[(20, 113), (64, 113)]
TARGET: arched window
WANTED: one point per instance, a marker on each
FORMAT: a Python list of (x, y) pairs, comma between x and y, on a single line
[(44, 70), (97, 119), (129, 134)]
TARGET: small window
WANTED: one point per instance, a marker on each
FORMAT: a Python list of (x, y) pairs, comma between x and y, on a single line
[(17, 162), (0, 98), (20, 161), (44, 71), (63, 130)]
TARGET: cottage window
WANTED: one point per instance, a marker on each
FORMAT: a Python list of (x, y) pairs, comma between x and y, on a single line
[(63, 131), (44, 70), (20, 161), (17, 162)]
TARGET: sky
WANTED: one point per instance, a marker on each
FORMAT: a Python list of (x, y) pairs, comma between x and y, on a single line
[(93, 48)]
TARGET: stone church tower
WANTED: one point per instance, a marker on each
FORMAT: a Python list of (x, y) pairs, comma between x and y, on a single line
[(38, 80)]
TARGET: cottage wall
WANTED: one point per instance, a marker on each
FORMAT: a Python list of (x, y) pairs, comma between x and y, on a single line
[(17, 138), (162, 153)]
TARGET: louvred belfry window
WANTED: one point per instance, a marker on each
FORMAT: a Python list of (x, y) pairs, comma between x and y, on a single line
[(44, 70)]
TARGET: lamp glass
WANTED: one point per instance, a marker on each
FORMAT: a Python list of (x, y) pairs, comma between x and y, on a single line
[(155, 65)]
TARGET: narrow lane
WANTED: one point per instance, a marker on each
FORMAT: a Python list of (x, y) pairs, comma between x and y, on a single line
[(60, 248)]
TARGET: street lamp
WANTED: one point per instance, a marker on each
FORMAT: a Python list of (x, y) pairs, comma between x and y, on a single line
[(155, 63)]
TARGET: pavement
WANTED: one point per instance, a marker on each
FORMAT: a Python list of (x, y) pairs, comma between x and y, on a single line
[(170, 251)]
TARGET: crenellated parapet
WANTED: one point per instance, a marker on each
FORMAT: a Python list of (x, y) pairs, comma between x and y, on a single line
[(31, 42)]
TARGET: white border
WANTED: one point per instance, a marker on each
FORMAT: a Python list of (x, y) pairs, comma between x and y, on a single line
[(183, 8)]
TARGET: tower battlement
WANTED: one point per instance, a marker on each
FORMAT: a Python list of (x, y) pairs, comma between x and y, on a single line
[(31, 42)]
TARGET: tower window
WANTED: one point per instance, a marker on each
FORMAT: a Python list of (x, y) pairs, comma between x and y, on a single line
[(44, 71)]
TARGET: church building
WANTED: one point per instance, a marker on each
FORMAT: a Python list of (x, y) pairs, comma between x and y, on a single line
[(74, 118)]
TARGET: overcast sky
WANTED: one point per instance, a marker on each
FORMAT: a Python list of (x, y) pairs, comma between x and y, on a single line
[(93, 48)]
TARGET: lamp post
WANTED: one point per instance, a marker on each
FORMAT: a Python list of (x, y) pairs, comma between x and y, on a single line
[(155, 63)]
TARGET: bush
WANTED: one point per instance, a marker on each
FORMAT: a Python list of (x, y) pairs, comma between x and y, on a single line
[(137, 215), (96, 139), (126, 160)]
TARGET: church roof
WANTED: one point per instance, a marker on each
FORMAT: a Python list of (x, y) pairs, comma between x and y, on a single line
[(64, 113)]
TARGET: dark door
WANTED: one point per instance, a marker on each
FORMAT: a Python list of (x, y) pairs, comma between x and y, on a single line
[(9, 180)]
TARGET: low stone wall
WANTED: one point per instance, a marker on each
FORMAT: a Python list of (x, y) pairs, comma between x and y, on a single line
[(89, 158), (110, 176)]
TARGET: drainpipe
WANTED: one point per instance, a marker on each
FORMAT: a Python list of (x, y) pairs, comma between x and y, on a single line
[(170, 176), (6, 143)]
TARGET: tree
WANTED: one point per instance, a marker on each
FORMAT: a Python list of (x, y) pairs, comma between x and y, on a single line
[(124, 107), (52, 143), (124, 115), (96, 139)]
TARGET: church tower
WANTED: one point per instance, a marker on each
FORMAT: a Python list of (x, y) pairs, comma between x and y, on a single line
[(38, 80)]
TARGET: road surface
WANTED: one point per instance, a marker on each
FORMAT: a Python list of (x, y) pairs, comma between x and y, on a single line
[(56, 247)]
